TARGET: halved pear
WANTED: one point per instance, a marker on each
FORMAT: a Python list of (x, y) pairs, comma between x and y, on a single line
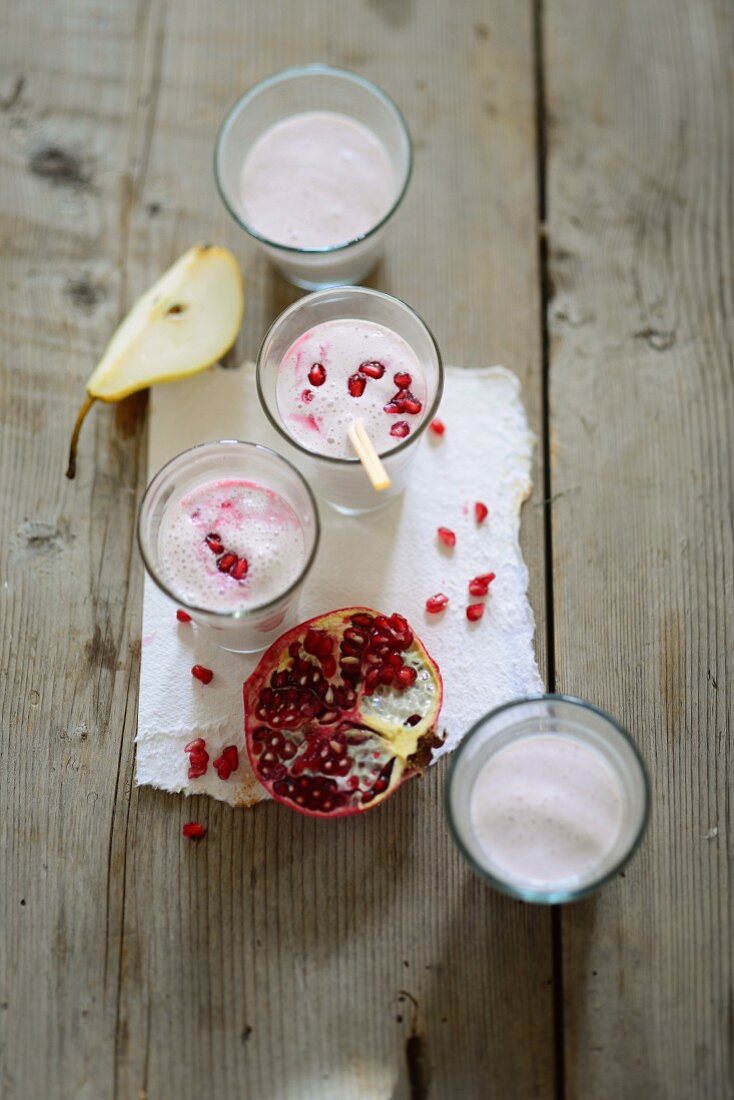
[(187, 320)]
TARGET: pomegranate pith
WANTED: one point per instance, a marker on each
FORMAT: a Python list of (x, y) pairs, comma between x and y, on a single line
[(340, 710)]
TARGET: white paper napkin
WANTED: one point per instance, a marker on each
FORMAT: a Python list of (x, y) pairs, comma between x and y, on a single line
[(390, 561)]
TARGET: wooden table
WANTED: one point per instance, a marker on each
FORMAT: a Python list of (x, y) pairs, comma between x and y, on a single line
[(571, 217)]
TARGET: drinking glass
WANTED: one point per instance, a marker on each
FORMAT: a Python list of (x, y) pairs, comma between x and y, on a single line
[(557, 716), (295, 91), (244, 630), (342, 482)]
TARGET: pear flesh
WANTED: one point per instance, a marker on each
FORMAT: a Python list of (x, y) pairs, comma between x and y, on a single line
[(183, 324)]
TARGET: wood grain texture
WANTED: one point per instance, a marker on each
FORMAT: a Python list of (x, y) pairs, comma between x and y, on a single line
[(279, 958), (640, 187)]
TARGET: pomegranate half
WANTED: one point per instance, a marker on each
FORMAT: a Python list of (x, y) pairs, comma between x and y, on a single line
[(340, 710)]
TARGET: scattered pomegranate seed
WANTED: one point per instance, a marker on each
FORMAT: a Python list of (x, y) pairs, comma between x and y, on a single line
[(437, 603), (232, 756), (317, 375), (437, 426), (198, 756), (474, 612), (307, 397), (239, 569), (204, 675), (214, 542), (402, 380), (400, 429), (183, 616), (356, 385), (372, 368), (228, 762), (192, 830), (446, 536), (481, 511), (479, 586), (225, 563)]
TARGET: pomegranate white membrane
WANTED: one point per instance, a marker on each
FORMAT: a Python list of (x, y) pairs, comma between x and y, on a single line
[(230, 544), (546, 811), (316, 180), (347, 369)]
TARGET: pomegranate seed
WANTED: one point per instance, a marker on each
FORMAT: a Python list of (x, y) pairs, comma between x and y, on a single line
[(317, 375), (437, 603), (446, 536), (437, 426), (402, 380), (204, 675), (392, 407), (225, 563), (373, 369), (406, 676), (400, 429), (192, 830), (479, 586), (232, 756), (356, 385), (214, 542), (307, 397), (195, 746), (481, 511), (239, 569), (196, 771), (183, 616), (474, 612), (198, 759), (411, 405)]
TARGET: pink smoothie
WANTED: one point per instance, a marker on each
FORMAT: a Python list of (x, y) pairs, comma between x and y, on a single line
[(347, 369), (546, 810), (316, 180), (229, 545)]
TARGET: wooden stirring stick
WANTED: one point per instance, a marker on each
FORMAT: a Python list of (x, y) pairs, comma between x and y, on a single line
[(368, 456)]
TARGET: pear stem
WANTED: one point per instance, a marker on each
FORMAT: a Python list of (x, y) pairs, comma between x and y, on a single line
[(71, 469)]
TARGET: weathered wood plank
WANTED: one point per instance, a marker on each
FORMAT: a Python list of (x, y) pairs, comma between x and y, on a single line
[(270, 961), (71, 119), (640, 182)]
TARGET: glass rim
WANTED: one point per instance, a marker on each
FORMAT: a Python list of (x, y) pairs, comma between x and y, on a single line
[(537, 896), (241, 614), (357, 291), (279, 78)]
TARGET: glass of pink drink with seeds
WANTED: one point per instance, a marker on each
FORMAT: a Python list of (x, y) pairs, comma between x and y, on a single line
[(348, 354), (229, 531)]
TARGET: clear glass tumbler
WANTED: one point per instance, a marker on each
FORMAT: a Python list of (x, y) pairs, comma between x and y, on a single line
[(556, 716), (250, 629), (294, 91), (342, 482)]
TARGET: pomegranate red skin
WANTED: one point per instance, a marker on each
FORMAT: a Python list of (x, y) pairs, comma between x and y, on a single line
[(270, 660)]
